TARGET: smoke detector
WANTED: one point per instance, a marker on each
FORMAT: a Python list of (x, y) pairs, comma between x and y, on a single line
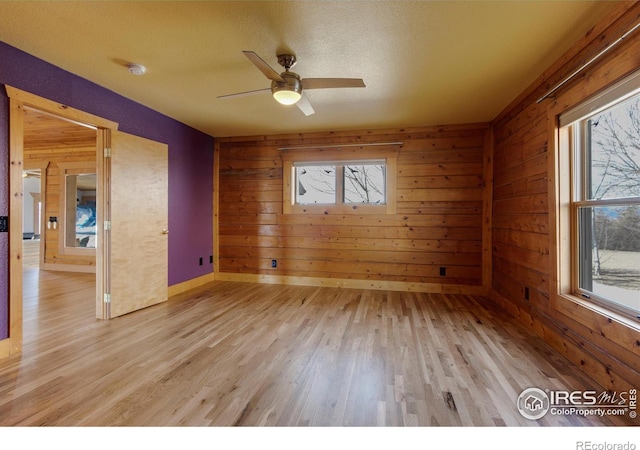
[(136, 69)]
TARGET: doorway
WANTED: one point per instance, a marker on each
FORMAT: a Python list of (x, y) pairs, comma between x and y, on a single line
[(149, 161), (60, 173), (59, 199)]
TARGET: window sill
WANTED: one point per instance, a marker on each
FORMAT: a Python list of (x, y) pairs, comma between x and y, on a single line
[(340, 209), (566, 301)]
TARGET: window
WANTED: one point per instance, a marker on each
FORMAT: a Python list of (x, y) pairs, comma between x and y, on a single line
[(80, 210), (351, 183), (76, 220), (604, 138), (340, 180)]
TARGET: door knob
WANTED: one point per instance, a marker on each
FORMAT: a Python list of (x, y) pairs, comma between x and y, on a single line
[(165, 231)]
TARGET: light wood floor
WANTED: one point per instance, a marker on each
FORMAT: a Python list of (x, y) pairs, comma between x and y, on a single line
[(31, 253), (246, 354)]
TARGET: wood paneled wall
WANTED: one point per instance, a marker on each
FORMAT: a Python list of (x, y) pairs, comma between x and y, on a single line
[(55, 156), (49, 142), (524, 204), (438, 220)]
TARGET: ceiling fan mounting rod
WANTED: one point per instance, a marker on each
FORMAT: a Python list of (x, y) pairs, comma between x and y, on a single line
[(287, 61)]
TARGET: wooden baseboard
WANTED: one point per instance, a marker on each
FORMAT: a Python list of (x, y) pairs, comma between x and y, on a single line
[(5, 348), (69, 268), (190, 284), (354, 284)]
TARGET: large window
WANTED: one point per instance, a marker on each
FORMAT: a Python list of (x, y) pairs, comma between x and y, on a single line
[(604, 212)]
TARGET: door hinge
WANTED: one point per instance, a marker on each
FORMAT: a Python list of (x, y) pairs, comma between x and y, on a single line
[(107, 225), (107, 152), (107, 298)]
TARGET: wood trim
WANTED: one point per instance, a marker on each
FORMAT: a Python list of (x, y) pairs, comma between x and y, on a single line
[(287, 187), (16, 147), (18, 100), (350, 136), (43, 167), (216, 207), (5, 348), (69, 268), (71, 168), (58, 109), (342, 209), (346, 153), (392, 183), (36, 199), (354, 284), (103, 165), (190, 284), (487, 210), (559, 215)]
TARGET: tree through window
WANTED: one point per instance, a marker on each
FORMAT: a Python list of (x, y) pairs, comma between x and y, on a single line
[(606, 203), (349, 179), (364, 183), (340, 183)]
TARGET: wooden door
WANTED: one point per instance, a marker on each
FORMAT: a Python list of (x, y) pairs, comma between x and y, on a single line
[(137, 244)]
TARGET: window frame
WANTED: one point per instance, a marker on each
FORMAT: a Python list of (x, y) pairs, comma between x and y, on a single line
[(573, 194), (66, 169), (340, 156), (340, 180)]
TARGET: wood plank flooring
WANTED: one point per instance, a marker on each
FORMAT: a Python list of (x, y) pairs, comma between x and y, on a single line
[(31, 253), (247, 354)]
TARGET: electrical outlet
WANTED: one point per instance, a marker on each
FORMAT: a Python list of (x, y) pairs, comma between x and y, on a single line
[(4, 224), (443, 271), (274, 263), (211, 259), (201, 261)]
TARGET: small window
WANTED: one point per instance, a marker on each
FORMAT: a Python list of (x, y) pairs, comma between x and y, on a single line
[(365, 183), (339, 180), (350, 183), (605, 203), (315, 185)]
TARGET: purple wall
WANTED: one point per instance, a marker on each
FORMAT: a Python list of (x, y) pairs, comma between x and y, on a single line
[(190, 160)]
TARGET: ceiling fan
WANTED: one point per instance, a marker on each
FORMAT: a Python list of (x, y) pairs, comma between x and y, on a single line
[(288, 88)]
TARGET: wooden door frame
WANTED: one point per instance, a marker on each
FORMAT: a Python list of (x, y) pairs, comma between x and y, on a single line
[(42, 167), (18, 101)]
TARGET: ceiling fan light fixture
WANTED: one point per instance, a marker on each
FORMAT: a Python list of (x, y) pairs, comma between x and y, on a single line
[(289, 91), (286, 97), (287, 87)]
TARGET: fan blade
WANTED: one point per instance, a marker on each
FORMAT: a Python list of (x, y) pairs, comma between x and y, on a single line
[(327, 83), (242, 94), (304, 105), (263, 66)]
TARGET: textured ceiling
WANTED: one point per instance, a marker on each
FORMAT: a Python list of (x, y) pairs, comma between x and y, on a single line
[(424, 62)]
